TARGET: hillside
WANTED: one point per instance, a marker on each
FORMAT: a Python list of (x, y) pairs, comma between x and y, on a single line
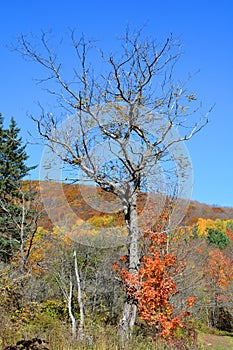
[(195, 270), (206, 211), (81, 198)]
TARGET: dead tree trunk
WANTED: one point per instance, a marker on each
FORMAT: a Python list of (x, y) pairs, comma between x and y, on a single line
[(128, 317), (80, 300), (70, 310)]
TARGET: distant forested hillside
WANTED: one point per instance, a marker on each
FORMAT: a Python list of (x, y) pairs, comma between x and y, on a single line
[(73, 194)]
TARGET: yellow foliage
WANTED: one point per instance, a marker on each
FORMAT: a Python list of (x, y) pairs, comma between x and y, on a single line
[(101, 221), (203, 225), (221, 225), (181, 233)]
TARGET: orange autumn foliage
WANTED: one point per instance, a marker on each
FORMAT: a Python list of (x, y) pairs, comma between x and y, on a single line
[(219, 268), (154, 285), (191, 301)]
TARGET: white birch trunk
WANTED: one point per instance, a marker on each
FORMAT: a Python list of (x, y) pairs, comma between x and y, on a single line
[(72, 317), (80, 301)]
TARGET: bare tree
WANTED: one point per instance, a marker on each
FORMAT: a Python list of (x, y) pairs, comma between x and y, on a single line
[(80, 298), (68, 294), (24, 219), (131, 109)]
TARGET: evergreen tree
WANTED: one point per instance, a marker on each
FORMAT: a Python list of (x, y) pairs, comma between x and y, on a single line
[(217, 238), (13, 169)]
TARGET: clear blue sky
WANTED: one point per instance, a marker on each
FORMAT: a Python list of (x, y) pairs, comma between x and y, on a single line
[(205, 30)]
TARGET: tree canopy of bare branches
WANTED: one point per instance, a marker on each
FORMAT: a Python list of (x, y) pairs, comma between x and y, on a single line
[(125, 118)]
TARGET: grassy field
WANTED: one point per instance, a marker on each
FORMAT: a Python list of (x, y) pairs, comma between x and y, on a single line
[(206, 341)]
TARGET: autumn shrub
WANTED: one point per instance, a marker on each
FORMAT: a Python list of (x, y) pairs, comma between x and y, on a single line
[(55, 309), (152, 289), (31, 320)]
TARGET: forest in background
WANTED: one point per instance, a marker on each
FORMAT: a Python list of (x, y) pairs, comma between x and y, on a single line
[(36, 304)]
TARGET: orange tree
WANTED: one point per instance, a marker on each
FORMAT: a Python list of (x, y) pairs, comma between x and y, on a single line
[(154, 286), (219, 280)]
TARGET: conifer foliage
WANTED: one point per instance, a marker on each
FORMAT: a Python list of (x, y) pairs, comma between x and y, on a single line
[(13, 170)]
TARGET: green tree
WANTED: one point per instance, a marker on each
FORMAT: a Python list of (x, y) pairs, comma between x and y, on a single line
[(217, 238), (13, 195)]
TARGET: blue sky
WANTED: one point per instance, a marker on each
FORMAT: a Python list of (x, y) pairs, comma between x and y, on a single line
[(205, 30)]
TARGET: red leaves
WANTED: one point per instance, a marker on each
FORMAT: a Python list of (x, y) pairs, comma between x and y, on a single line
[(219, 268), (229, 234), (191, 301), (124, 258), (116, 267), (156, 285), (153, 285)]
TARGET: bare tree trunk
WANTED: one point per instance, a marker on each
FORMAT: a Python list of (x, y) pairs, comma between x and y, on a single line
[(72, 317), (80, 301), (22, 238), (26, 224), (68, 294), (128, 318)]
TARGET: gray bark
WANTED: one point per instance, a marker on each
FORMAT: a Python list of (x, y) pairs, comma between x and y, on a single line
[(128, 317), (127, 321)]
